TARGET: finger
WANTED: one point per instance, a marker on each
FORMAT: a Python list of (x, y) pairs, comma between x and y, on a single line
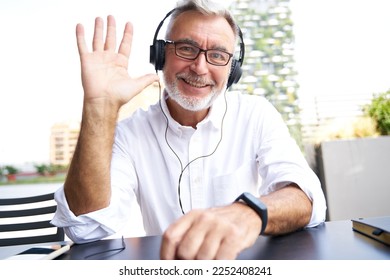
[(194, 238), (145, 81), (169, 244), (170, 240), (228, 249), (168, 248), (209, 248), (97, 42), (110, 43), (173, 236), (80, 37), (125, 46)]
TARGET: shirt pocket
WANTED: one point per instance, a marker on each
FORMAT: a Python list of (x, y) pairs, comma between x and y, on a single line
[(227, 187)]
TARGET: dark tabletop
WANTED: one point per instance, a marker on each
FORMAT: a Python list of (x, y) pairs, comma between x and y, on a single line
[(329, 241)]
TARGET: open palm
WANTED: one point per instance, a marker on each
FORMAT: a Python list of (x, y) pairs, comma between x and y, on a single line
[(104, 71)]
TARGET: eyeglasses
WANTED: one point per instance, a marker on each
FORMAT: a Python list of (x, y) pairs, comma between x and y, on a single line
[(191, 52)]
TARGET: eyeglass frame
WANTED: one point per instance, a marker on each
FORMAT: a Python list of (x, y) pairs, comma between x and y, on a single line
[(230, 55)]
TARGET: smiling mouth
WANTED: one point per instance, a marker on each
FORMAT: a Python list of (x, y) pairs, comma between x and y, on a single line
[(197, 84), (194, 83)]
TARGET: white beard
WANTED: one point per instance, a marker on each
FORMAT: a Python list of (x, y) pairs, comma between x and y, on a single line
[(190, 103)]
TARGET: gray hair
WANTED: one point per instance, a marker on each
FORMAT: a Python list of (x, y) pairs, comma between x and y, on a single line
[(205, 7)]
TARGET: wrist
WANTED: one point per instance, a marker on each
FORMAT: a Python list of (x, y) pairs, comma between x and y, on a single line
[(100, 113), (256, 205)]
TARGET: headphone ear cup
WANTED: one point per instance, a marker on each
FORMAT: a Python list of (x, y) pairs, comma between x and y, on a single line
[(157, 54), (235, 73)]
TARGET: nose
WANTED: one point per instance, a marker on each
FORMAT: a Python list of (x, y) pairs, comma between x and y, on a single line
[(200, 64)]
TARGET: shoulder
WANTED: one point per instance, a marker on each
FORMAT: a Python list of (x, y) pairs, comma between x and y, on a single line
[(250, 104), (140, 116), (247, 100), (140, 121), (257, 112)]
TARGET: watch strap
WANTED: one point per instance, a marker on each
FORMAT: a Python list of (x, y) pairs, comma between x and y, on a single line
[(258, 206)]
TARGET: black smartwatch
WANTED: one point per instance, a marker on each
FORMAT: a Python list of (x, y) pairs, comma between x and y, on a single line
[(255, 203)]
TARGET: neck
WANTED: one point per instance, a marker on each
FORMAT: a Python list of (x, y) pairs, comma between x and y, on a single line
[(185, 117)]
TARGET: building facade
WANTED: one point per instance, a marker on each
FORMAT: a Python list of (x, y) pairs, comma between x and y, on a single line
[(63, 140), (268, 68)]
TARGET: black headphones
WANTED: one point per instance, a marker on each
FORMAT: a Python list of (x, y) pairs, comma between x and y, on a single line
[(157, 54)]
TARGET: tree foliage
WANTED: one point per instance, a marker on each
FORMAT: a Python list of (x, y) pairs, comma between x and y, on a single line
[(379, 111)]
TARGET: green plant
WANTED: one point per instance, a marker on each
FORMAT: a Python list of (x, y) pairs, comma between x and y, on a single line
[(379, 111), (51, 169), (11, 170), (41, 169)]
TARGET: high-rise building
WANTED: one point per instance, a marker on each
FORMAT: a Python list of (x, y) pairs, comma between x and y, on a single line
[(63, 140), (268, 68)]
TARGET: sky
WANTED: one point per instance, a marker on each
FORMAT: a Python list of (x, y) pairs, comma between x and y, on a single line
[(342, 47)]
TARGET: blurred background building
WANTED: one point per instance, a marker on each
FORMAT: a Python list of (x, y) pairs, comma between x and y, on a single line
[(269, 68), (63, 140)]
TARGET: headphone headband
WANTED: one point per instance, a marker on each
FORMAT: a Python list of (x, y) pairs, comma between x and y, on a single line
[(160, 25)]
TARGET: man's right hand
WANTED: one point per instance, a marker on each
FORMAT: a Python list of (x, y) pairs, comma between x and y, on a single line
[(104, 71)]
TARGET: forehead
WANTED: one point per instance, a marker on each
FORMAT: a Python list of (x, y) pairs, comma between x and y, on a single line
[(206, 30)]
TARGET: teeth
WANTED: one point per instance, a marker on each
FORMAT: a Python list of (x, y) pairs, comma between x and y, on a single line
[(195, 84)]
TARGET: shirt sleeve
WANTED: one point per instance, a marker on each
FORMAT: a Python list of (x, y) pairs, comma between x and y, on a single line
[(92, 226), (281, 162), (105, 222)]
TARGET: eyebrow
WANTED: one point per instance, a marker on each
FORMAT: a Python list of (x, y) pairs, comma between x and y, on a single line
[(194, 43)]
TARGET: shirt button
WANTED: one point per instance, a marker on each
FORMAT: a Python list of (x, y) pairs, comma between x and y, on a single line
[(197, 180)]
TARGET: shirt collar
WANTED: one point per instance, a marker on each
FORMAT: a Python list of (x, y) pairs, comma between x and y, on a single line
[(216, 112)]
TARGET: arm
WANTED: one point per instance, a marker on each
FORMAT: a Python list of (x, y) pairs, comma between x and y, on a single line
[(222, 233), (107, 86), (289, 209)]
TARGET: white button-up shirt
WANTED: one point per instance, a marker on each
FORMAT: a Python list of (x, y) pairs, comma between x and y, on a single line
[(248, 149)]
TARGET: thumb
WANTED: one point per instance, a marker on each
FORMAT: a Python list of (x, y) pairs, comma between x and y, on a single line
[(130, 88), (144, 81)]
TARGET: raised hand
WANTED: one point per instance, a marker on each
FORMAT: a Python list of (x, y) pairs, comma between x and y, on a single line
[(107, 86), (104, 71)]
